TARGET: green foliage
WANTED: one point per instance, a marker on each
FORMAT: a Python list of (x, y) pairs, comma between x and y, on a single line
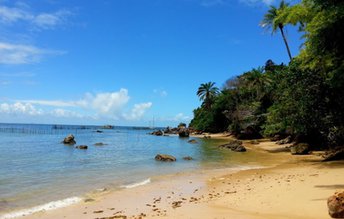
[(305, 98)]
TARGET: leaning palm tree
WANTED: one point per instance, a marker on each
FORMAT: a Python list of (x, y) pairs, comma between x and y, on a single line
[(274, 19), (206, 93)]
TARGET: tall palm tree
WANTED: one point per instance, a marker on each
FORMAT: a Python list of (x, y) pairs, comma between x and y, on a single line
[(272, 20), (206, 93)]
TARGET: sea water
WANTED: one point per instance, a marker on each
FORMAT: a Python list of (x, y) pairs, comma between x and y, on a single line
[(38, 172)]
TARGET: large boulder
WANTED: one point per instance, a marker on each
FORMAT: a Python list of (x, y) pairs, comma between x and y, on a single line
[(337, 154), (300, 149), (249, 133), (69, 140), (234, 145), (165, 157), (335, 205), (184, 133)]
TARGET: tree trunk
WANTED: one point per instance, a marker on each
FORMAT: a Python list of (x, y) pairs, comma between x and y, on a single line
[(285, 42)]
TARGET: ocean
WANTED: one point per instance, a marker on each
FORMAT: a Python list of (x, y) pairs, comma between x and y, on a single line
[(38, 172)]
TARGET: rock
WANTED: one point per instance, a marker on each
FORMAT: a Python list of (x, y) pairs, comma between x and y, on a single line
[(99, 131), (337, 154), (165, 157), (254, 142), (207, 137), (187, 158), (276, 137), (69, 140), (99, 144), (83, 147), (249, 133), (184, 133), (192, 141), (234, 145), (335, 205), (157, 133), (287, 140), (300, 149)]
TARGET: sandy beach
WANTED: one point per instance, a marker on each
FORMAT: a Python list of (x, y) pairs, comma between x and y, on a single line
[(285, 186)]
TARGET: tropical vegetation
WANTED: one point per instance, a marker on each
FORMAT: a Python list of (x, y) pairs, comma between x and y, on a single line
[(304, 99)]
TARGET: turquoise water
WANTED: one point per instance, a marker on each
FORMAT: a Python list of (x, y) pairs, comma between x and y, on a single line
[(35, 168)]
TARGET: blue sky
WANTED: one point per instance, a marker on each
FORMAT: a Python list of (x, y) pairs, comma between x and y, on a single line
[(125, 62)]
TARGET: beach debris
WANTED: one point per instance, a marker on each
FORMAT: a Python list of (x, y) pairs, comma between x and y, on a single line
[(187, 158), (287, 140), (83, 147), (165, 157), (336, 154), (69, 140), (98, 212), (177, 204), (99, 144), (157, 133), (184, 133), (192, 141), (300, 149), (335, 205), (234, 145)]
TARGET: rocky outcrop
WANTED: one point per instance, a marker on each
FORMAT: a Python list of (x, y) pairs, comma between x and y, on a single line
[(184, 133), (287, 140), (158, 133), (336, 154), (300, 149), (192, 141), (83, 147), (165, 157), (335, 205), (69, 140), (249, 133), (187, 158), (234, 145)]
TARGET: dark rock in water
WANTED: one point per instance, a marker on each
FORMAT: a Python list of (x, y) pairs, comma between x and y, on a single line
[(234, 145), (99, 131), (287, 140), (99, 144), (184, 133), (164, 157), (192, 141), (300, 149), (335, 205), (158, 133), (337, 154), (207, 137), (187, 158), (69, 140), (83, 147)]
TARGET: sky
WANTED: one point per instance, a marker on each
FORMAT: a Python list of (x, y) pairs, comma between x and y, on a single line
[(126, 62)]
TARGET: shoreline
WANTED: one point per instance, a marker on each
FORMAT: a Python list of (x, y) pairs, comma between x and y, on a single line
[(217, 193)]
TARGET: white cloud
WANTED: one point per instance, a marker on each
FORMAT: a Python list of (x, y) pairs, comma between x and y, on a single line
[(107, 103), (138, 111), (22, 54), (43, 20), (20, 108), (160, 92)]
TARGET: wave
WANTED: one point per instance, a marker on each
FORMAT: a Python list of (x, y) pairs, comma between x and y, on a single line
[(45, 207), (130, 186)]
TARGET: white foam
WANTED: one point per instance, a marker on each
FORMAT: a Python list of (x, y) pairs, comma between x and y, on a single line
[(130, 186), (45, 207)]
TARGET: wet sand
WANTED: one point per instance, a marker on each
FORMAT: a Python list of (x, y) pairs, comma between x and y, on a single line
[(287, 187)]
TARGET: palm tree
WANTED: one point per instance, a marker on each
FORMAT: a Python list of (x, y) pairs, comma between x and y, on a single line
[(273, 20), (206, 93)]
